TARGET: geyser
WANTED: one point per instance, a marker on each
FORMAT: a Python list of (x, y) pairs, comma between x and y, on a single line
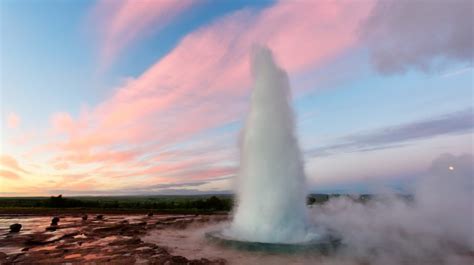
[(271, 183)]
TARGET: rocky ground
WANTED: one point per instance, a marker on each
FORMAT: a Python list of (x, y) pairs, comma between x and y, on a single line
[(97, 240)]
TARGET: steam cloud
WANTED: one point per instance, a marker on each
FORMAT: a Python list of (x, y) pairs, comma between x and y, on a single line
[(402, 34), (437, 227)]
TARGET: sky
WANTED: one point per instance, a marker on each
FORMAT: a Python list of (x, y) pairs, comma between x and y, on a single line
[(149, 97)]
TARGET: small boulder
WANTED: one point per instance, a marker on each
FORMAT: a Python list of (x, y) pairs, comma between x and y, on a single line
[(55, 220), (84, 217), (51, 228), (99, 217), (15, 228), (179, 260)]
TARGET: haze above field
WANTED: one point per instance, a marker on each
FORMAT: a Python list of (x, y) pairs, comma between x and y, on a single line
[(115, 97)]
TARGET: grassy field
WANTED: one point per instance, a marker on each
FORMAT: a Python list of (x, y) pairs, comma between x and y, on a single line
[(134, 204), (117, 204)]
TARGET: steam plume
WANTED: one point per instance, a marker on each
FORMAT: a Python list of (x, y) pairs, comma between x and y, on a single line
[(271, 182)]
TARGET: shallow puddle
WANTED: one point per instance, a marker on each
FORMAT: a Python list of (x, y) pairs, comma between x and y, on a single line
[(192, 243)]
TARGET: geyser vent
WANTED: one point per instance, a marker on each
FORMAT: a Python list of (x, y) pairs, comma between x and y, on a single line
[(323, 245)]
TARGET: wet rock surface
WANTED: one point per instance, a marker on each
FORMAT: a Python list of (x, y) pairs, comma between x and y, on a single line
[(55, 221), (106, 240), (15, 228)]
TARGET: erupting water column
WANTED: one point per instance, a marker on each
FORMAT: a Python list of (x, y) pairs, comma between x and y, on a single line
[(271, 183)]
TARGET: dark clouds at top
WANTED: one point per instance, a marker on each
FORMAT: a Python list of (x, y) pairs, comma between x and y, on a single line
[(424, 35)]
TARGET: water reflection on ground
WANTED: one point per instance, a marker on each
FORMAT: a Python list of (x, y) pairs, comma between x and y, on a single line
[(112, 239), (193, 244), (142, 239)]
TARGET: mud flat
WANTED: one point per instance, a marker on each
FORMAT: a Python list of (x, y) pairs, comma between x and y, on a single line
[(161, 239), (110, 239)]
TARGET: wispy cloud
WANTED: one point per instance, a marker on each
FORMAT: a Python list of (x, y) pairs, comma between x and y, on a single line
[(395, 136), (457, 72), (122, 23), (181, 96), (184, 188), (9, 174), (128, 192), (11, 163), (158, 128), (178, 185), (184, 92)]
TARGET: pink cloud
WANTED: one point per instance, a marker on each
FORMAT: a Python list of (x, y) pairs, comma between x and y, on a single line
[(123, 22), (13, 120), (201, 84), (209, 68), (61, 166), (100, 156), (63, 122), (9, 175), (12, 163)]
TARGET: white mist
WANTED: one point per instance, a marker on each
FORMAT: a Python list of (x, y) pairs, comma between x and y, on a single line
[(271, 184)]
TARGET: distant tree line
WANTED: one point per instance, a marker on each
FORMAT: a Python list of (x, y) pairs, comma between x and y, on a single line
[(184, 203), (210, 203)]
